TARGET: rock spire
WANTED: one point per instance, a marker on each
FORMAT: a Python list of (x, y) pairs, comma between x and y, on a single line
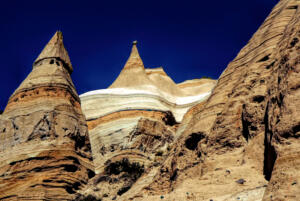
[(134, 68), (44, 144), (134, 60), (56, 49), (51, 69)]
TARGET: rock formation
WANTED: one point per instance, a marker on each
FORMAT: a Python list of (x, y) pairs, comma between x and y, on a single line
[(44, 144), (241, 144), (133, 123), (148, 138), (150, 89)]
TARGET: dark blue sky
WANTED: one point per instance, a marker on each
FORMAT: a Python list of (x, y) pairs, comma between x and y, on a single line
[(190, 39)]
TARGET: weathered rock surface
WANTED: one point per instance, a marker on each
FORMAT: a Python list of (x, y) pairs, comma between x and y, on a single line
[(133, 123), (44, 145), (152, 139), (147, 89), (282, 119), (228, 145)]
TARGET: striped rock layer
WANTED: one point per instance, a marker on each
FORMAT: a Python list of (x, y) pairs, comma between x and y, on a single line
[(44, 144), (242, 143), (133, 123), (152, 139), (146, 89)]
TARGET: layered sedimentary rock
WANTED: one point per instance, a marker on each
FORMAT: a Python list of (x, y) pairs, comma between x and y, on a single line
[(153, 139), (44, 145), (282, 119), (140, 88), (241, 144), (132, 124), (235, 137)]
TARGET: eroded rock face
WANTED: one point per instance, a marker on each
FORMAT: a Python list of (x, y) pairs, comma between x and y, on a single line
[(242, 142), (152, 139), (138, 134), (132, 125), (44, 145), (122, 154), (282, 119), (137, 88)]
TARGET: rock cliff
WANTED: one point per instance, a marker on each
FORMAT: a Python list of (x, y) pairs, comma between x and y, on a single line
[(148, 138)]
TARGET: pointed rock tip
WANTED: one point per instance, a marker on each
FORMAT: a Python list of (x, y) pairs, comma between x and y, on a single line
[(59, 36), (134, 51), (55, 49), (134, 60)]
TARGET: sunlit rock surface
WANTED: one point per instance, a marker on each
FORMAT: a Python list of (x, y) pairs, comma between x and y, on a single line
[(241, 144), (135, 120), (44, 144), (140, 88), (148, 138)]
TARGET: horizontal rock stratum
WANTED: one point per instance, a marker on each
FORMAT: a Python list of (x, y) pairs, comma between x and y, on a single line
[(135, 120), (137, 88), (147, 138)]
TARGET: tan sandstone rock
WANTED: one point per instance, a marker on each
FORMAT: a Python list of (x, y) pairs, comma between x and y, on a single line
[(132, 124), (44, 145), (151, 139), (228, 145)]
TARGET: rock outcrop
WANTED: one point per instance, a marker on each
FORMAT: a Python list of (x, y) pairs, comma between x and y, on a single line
[(148, 138), (140, 88), (44, 145), (132, 124), (241, 144), (282, 119)]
